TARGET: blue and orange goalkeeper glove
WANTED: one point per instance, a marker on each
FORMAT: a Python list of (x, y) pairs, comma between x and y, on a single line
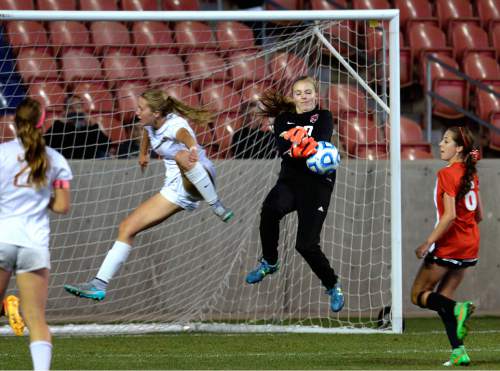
[(305, 149)]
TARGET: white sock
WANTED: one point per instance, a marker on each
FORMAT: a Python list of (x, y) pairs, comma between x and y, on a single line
[(41, 354), (115, 258), (198, 176)]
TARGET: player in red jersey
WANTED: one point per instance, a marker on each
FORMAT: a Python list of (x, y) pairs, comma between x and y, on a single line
[(453, 245)]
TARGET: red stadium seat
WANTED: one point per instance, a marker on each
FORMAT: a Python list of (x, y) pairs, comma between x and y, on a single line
[(66, 35), (412, 153), (181, 5), (283, 5), (370, 4), (219, 98), (358, 133), (487, 103), (161, 65), (246, 66), (371, 152), (127, 96), (447, 10), (184, 93), (119, 67), (34, 65), (494, 136), (56, 4), (413, 10), (285, 67), (469, 37), (251, 92), (448, 85), (111, 127), (98, 5), (191, 36), (139, 5), (108, 36), (234, 36), (482, 67), (224, 128), (26, 34), (7, 128), (411, 135), (17, 5), (427, 38), (346, 100), (495, 35), (50, 95), (206, 66), (78, 65), (488, 10), (327, 5), (148, 36), (96, 97)]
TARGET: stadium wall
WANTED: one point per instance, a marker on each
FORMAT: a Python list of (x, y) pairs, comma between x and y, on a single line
[(418, 180)]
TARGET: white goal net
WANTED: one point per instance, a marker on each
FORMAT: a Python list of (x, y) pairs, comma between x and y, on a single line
[(188, 273)]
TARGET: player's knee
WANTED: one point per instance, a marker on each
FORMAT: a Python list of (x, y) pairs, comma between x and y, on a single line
[(182, 160), (269, 214), (126, 229), (417, 298)]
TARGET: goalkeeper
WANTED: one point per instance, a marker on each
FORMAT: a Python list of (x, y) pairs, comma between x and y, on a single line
[(298, 124)]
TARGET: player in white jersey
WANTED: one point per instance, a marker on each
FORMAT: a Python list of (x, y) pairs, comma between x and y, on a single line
[(33, 179), (189, 178)]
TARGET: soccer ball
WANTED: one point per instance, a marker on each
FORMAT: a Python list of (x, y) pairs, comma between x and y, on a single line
[(326, 159)]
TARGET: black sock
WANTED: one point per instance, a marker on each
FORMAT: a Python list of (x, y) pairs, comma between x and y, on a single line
[(2, 312), (450, 324), (440, 303)]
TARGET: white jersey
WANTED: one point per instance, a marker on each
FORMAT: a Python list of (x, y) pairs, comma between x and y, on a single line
[(165, 144), (24, 216)]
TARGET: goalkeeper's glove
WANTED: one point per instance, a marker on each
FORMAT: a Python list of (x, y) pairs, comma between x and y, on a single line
[(295, 135), (305, 149)]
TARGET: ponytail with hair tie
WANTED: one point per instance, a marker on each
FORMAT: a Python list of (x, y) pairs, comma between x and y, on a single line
[(475, 154)]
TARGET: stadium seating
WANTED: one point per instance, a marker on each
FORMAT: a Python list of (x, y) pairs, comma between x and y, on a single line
[(98, 5), (184, 93), (346, 100), (7, 131), (251, 91), (108, 36), (329, 5), (246, 67), (224, 128), (148, 36), (194, 36), (285, 67), (139, 5), (481, 67), (11, 94), (371, 4), (127, 96), (413, 10), (78, 65), (411, 135), (358, 133), (234, 36), (17, 5), (449, 86), (205, 137), (447, 10), (412, 153), (206, 66), (50, 95), (495, 35), (219, 97), (111, 127), (119, 67), (96, 97), (494, 142), (56, 4), (487, 103), (371, 152), (469, 37), (181, 5), (26, 34), (35, 65), (488, 10), (65, 35), (161, 65), (283, 5)]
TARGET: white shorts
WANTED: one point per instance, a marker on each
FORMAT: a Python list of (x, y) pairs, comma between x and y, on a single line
[(173, 190), (23, 259)]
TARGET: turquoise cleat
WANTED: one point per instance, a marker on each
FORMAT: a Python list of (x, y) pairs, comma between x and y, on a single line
[(261, 271), (336, 298), (86, 290)]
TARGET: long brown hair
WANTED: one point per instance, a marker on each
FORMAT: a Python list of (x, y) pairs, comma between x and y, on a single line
[(160, 101), (464, 137), (28, 114), (273, 103)]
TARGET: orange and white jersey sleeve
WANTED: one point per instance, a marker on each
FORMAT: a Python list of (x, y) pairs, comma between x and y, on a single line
[(461, 240), (24, 216)]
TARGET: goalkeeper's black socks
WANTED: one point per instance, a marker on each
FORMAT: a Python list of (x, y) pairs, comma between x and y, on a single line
[(446, 310)]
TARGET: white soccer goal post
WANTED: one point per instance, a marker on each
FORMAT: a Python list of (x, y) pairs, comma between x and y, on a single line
[(189, 272)]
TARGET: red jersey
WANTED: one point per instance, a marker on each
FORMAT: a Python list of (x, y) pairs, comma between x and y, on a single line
[(461, 240)]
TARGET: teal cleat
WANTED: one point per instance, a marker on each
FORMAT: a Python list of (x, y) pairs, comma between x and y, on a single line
[(336, 298), (86, 290), (222, 212), (261, 271)]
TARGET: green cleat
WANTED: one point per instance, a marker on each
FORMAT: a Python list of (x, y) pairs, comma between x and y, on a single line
[(459, 357), (463, 311)]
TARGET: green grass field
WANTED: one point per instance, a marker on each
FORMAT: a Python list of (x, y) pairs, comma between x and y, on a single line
[(423, 346)]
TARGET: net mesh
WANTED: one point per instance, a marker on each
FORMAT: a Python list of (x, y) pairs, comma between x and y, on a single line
[(191, 268)]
